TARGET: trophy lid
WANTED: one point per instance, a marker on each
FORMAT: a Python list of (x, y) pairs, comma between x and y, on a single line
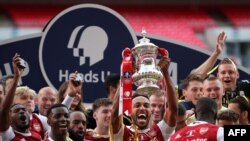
[(144, 41)]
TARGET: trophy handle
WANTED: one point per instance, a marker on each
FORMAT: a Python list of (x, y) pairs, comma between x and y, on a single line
[(126, 52), (163, 52)]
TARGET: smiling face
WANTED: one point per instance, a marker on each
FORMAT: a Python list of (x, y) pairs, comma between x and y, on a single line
[(214, 89), (76, 101), (102, 109), (46, 98), (193, 92), (156, 105), (102, 115), (228, 74), (141, 112), (58, 119)]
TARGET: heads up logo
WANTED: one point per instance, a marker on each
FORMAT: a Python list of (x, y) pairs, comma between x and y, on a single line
[(81, 47), (88, 38)]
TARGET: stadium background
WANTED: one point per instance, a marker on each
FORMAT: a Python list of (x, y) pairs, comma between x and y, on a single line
[(192, 22)]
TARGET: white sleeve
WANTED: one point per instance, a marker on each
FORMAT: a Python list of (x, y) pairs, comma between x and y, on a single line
[(8, 134), (166, 130), (44, 119), (118, 136), (68, 101), (220, 134)]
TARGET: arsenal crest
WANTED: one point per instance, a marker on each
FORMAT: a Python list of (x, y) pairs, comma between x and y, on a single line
[(37, 127)]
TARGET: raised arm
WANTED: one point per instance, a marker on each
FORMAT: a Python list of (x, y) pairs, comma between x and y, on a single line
[(205, 67), (9, 97), (116, 120), (73, 89), (171, 106)]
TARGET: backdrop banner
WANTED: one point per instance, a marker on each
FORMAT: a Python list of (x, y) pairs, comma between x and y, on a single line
[(89, 38)]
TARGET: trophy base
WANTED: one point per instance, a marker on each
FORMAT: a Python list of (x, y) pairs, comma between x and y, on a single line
[(149, 90)]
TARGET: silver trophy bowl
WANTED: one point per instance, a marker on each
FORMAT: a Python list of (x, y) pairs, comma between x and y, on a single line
[(147, 74)]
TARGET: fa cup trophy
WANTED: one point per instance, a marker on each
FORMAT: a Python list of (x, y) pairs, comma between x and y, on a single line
[(147, 75), (139, 67)]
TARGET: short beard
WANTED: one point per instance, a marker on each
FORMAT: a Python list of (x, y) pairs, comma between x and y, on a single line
[(74, 136), (21, 128)]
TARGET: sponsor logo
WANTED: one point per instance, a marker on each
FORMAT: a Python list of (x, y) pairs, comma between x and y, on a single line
[(37, 127), (127, 93), (84, 45), (203, 130), (127, 75), (87, 38)]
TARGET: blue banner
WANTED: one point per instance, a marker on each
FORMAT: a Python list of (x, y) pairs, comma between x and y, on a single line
[(87, 38)]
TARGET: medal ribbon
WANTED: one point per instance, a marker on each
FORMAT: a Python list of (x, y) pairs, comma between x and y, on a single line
[(126, 83)]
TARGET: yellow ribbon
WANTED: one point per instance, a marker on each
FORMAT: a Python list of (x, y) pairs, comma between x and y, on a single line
[(245, 98), (213, 69), (111, 132), (68, 138), (136, 137)]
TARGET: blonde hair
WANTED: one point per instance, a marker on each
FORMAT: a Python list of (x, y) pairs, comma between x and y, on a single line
[(25, 89), (228, 61)]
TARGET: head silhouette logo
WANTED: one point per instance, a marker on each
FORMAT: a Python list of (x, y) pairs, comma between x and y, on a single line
[(90, 37), (86, 38)]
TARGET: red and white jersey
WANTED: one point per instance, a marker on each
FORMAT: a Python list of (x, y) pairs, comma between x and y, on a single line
[(49, 138), (159, 132), (199, 130), (11, 135), (38, 123), (91, 135)]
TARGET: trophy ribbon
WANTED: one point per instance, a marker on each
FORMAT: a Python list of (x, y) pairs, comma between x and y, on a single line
[(163, 51), (126, 83)]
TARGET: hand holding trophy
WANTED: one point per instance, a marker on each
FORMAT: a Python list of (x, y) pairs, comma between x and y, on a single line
[(139, 67)]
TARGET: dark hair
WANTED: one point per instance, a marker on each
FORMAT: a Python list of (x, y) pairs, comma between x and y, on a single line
[(228, 115), (137, 95), (55, 106), (101, 102), (62, 91), (242, 103), (205, 108), (191, 77), (111, 80), (85, 114), (181, 110), (15, 104)]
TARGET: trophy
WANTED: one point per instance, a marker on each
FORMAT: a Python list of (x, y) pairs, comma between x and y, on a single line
[(146, 75)]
